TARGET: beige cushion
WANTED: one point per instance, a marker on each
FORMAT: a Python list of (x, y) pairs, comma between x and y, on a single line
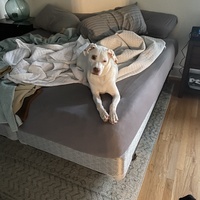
[(54, 19)]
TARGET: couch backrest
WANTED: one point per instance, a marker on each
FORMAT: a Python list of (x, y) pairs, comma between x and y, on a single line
[(95, 26)]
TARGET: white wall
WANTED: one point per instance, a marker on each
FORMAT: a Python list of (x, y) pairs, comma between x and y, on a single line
[(72, 5), (188, 12), (78, 5)]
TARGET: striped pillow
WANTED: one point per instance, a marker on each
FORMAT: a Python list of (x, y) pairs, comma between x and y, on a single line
[(107, 23)]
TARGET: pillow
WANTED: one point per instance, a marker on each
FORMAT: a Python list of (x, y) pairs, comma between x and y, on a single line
[(54, 19), (159, 25), (107, 23)]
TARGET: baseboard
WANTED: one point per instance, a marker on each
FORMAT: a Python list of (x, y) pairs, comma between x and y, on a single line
[(176, 72)]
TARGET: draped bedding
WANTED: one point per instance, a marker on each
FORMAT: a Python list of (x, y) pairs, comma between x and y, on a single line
[(55, 64), (49, 65)]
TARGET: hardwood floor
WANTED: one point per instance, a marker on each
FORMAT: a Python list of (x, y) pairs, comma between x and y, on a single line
[(174, 168)]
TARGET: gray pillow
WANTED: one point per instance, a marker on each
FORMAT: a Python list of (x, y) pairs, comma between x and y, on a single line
[(54, 19), (107, 23)]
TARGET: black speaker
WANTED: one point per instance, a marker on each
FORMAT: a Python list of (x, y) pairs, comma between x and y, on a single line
[(195, 33)]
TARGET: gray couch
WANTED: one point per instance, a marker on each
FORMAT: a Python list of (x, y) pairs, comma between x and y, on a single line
[(63, 120)]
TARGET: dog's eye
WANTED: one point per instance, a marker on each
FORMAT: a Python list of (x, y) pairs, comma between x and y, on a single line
[(104, 61), (94, 57)]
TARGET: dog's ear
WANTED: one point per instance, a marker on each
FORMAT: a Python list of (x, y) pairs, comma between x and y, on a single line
[(89, 48), (111, 53)]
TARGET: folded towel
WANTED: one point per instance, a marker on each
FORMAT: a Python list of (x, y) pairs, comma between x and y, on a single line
[(22, 92)]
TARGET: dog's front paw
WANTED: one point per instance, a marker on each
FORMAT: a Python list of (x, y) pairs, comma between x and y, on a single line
[(104, 115), (113, 118)]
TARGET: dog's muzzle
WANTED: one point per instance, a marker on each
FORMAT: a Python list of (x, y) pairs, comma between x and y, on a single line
[(96, 71)]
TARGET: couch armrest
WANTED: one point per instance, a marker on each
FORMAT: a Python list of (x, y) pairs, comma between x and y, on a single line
[(159, 25)]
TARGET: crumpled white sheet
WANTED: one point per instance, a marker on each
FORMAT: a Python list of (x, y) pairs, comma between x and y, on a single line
[(53, 64), (44, 65)]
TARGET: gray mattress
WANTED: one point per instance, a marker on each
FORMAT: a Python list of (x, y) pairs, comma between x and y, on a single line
[(63, 120), (67, 114)]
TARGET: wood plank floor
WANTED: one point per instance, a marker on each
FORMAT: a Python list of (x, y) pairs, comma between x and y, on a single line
[(174, 168)]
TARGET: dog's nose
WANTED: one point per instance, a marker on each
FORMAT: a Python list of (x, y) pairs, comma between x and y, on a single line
[(96, 70)]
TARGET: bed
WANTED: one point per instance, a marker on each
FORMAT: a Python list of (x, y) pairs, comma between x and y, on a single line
[(62, 119)]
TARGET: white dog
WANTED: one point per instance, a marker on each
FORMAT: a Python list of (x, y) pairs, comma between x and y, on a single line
[(101, 70)]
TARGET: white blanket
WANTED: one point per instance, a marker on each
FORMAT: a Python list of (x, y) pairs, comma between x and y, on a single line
[(135, 53), (50, 65)]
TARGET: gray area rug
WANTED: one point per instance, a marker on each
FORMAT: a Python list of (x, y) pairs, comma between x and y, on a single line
[(30, 174)]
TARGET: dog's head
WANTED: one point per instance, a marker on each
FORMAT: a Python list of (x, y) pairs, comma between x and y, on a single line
[(99, 58)]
